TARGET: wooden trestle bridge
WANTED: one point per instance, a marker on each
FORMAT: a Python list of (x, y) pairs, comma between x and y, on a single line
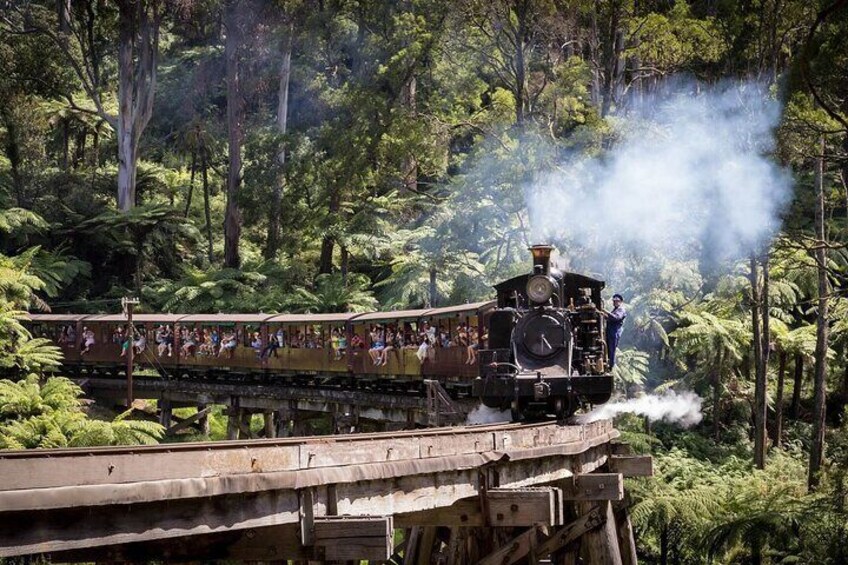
[(496, 494)]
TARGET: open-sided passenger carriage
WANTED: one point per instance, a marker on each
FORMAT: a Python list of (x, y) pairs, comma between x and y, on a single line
[(402, 370)]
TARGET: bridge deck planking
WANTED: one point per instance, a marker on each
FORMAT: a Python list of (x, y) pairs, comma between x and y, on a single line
[(239, 491), (28, 469)]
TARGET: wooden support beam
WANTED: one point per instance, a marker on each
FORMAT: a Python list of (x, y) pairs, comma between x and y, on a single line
[(632, 465), (626, 540), (188, 421), (571, 532), (233, 421), (410, 551), (203, 421), (601, 544), (524, 506), (425, 546), (594, 486), (514, 550), (354, 537), (618, 447), (270, 428), (165, 412), (245, 416)]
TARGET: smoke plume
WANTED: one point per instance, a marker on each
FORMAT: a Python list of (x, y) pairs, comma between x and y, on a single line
[(683, 409), (689, 175)]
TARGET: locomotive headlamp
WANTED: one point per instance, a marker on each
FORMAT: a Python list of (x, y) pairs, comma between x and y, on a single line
[(540, 288)]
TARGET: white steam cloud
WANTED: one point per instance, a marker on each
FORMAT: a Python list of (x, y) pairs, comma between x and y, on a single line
[(683, 409), (485, 415), (689, 174)]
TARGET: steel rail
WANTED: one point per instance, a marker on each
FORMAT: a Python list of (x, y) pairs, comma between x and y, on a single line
[(257, 443)]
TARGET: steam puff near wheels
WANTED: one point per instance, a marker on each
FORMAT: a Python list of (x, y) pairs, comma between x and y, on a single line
[(485, 415), (678, 408)]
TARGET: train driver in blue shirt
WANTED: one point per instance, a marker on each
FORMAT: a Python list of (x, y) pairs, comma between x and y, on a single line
[(615, 325)]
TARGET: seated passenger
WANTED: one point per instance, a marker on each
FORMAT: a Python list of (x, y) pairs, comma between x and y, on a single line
[(87, 340), (189, 346), (378, 343), (272, 346), (205, 345), (216, 341), (472, 347), (334, 343), (390, 344), (357, 342), (342, 344), (462, 338), (165, 339), (228, 344), (125, 345), (444, 337), (423, 349), (140, 344), (256, 344)]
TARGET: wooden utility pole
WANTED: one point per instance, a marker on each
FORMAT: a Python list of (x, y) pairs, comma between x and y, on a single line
[(128, 305)]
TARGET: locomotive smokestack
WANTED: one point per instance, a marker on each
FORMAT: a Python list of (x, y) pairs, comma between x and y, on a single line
[(542, 257)]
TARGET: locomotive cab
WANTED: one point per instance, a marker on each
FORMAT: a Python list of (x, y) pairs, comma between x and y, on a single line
[(546, 352)]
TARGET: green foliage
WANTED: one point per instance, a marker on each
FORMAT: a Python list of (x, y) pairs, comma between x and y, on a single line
[(36, 415), (331, 293)]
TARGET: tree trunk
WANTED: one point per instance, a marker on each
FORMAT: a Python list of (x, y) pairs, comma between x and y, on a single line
[(273, 242), (778, 402), (819, 410), (204, 167), (325, 263), (594, 56), (409, 166), (613, 47), (191, 183), (434, 293), (235, 135), (521, 90), (760, 381), (798, 383), (717, 397), (12, 149), (138, 46), (345, 264), (756, 551), (63, 12), (664, 545), (328, 243), (66, 144)]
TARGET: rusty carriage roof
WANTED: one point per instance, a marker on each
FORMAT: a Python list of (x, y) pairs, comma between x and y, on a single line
[(473, 308)]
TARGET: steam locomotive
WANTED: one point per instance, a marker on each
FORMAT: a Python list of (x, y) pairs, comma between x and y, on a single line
[(546, 354)]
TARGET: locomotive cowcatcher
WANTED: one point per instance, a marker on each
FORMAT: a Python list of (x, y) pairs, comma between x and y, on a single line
[(546, 351)]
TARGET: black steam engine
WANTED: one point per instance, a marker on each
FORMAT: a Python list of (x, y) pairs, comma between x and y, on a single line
[(546, 351)]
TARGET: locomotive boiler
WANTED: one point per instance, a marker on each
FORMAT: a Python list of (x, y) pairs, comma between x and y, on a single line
[(546, 354)]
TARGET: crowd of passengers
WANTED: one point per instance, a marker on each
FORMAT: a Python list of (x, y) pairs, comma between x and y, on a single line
[(212, 342)]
